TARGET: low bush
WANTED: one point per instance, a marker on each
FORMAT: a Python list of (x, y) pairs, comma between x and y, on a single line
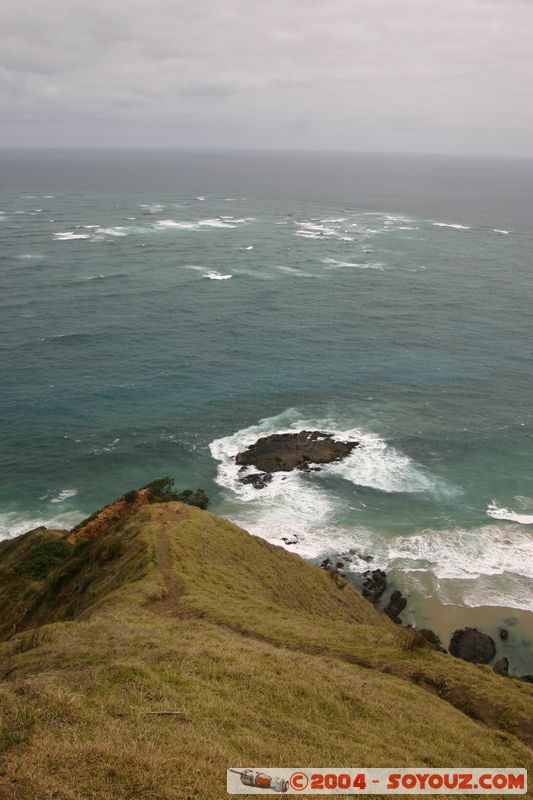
[(197, 498), (43, 558)]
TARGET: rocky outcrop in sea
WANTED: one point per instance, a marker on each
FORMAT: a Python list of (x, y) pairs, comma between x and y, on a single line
[(284, 452)]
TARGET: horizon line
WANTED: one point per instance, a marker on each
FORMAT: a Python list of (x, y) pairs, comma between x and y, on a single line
[(271, 150)]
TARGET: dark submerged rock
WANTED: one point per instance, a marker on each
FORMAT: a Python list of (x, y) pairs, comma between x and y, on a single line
[(502, 667), (504, 634), (283, 452), (472, 645), (395, 606), (374, 585), (432, 638), (258, 479)]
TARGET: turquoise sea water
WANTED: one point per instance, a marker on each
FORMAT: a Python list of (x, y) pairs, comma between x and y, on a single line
[(386, 298)]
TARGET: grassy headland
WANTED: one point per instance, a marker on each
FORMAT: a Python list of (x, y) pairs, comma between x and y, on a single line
[(263, 659)]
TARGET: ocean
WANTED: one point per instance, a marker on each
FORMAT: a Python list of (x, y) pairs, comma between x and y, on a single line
[(161, 310)]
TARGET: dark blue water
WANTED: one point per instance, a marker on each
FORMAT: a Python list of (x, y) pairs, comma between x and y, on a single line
[(387, 298)]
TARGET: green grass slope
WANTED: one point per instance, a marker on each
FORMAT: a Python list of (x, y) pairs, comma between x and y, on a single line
[(262, 658)]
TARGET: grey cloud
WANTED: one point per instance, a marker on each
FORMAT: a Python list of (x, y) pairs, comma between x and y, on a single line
[(417, 75)]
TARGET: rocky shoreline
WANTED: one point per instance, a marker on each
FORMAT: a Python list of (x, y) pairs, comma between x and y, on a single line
[(468, 643)]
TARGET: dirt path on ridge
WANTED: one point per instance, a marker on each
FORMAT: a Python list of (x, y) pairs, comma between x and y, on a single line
[(168, 605)]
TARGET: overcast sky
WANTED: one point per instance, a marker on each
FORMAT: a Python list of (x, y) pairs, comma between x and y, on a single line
[(445, 76)]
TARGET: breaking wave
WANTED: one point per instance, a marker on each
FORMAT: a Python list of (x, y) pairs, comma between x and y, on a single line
[(333, 263), (497, 512), (68, 236), (211, 274), (451, 225), (300, 506), (14, 524), (64, 494)]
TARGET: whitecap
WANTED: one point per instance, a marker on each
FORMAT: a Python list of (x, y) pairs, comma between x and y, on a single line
[(308, 235), (456, 226), (64, 494), (67, 236), (172, 223), (501, 231), (217, 223), (118, 230), (107, 448), (497, 512), (333, 263), (14, 524), (213, 275)]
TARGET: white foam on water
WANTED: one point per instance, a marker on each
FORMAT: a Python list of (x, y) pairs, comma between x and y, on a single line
[(308, 235), (107, 448), (64, 494), (250, 247), (215, 222), (14, 524), (118, 230), (30, 257), (172, 223), (297, 272), (504, 591), (504, 233), (456, 226), (317, 229), (332, 263), (67, 236), (498, 512), (297, 505), (461, 554), (152, 208), (213, 275)]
